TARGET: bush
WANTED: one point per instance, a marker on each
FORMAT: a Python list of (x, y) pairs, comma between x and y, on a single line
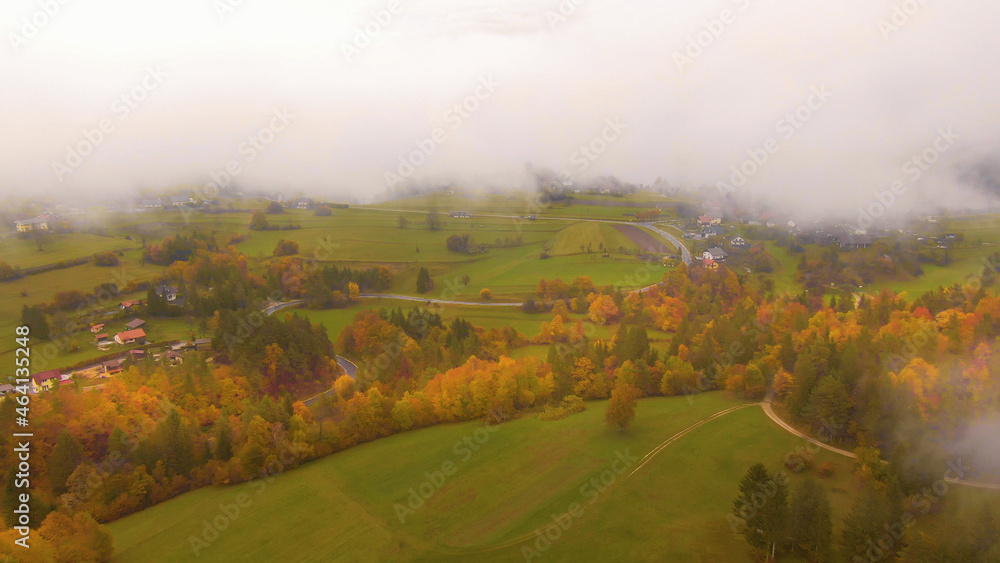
[(274, 208), (798, 461), (286, 248), (486, 294), (825, 469), (7, 272), (106, 259), (258, 222), (573, 404), (324, 211), (553, 413)]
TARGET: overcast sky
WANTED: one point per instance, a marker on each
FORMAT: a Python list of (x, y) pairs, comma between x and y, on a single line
[(212, 74)]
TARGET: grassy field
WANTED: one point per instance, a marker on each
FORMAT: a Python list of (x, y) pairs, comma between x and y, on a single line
[(24, 252), (343, 507), (580, 238)]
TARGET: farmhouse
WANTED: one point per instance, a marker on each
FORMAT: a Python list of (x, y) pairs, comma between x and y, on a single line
[(102, 339), (738, 242), (126, 305), (304, 203), (710, 264), (31, 225), (112, 367), (179, 201), (460, 215), (710, 219), (154, 203), (135, 323), (851, 241), (167, 292), (715, 253), (713, 231), (44, 380), (137, 336), (173, 357)]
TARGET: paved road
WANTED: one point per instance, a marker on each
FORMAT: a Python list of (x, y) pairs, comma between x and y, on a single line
[(685, 253), (438, 301), (275, 307), (351, 370)]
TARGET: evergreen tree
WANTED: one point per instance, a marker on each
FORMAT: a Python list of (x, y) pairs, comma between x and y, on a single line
[(223, 441), (763, 505), (810, 527), (424, 283), (66, 455), (867, 525), (119, 442), (34, 319)]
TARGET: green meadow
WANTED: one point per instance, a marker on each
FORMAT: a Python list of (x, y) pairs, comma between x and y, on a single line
[(355, 505)]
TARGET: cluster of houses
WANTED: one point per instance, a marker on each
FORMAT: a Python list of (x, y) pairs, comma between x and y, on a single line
[(174, 202), (134, 333), (50, 379)]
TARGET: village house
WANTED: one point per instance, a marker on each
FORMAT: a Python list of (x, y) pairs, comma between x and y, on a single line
[(137, 336), (715, 253), (44, 380), (853, 242), (203, 344), (135, 323), (179, 201), (31, 225), (713, 232), (112, 367), (102, 339), (173, 357), (126, 305), (738, 242), (710, 219), (460, 215), (710, 264), (304, 203), (97, 328), (167, 292)]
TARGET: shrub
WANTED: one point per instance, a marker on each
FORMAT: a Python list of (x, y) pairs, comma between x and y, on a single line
[(258, 221), (286, 248), (486, 294), (573, 404), (553, 413), (106, 259), (798, 461), (825, 469), (324, 211), (274, 208)]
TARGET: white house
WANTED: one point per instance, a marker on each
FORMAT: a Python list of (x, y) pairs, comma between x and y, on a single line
[(715, 253)]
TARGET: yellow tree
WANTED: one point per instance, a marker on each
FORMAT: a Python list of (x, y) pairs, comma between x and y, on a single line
[(353, 292), (603, 310), (272, 356), (621, 407)]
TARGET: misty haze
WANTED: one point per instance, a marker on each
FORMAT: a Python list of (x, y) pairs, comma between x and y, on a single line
[(533, 280)]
